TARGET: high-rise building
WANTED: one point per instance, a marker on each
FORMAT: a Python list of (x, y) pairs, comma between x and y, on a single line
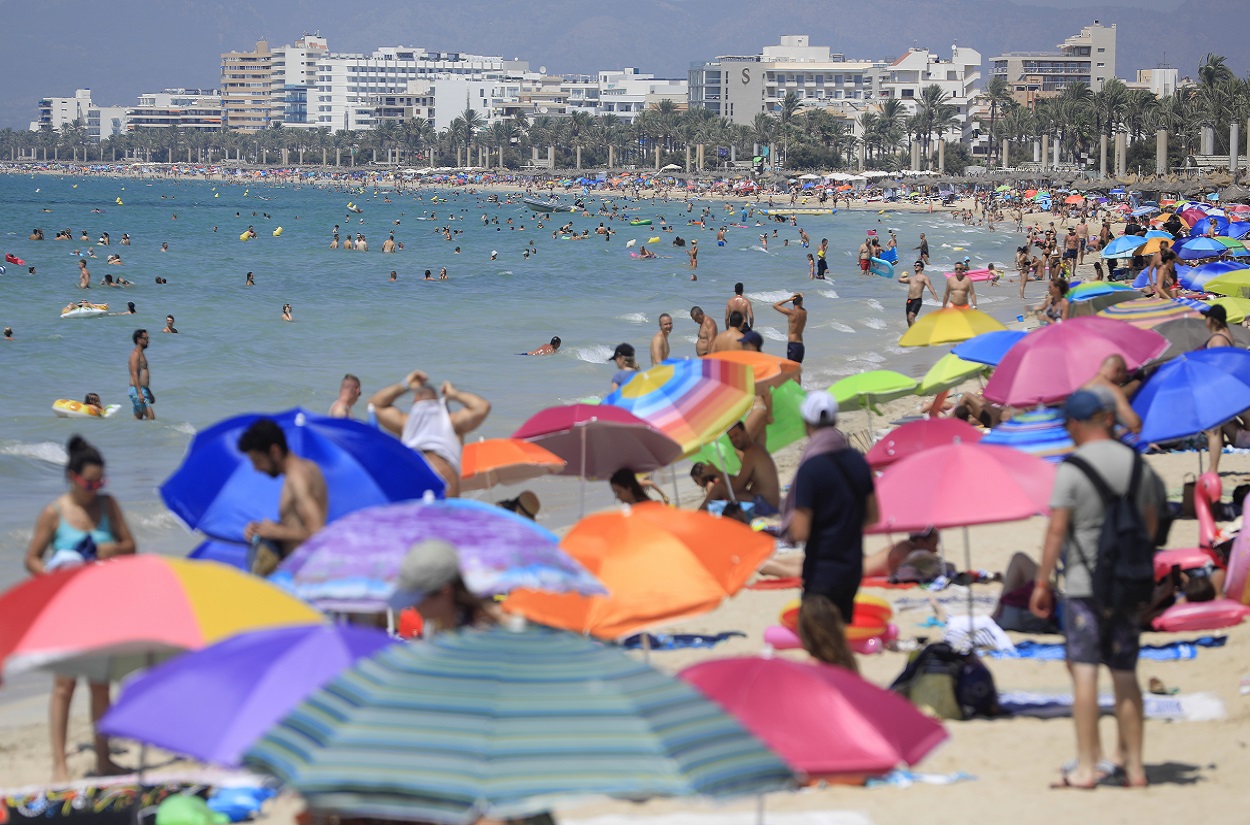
[(293, 77), (55, 112), (192, 109), (1088, 57), (247, 100)]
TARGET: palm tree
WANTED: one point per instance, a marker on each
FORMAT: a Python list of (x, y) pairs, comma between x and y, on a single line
[(998, 94), (932, 99), (1214, 70)]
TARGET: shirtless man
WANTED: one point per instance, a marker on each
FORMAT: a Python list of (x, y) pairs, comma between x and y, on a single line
[(141, 398), (739, 303), (731, 338), (1082, 237), (916, 285), (822, 262), (1113, 376), (659, 343), (84, 277), (707, 331), (755, 482), (959, 290), (923, 249), (865, 255), (388, 245), (349, 394), (303, 503), (796, 319), (694, 255), (430, 427), (1071, 247)]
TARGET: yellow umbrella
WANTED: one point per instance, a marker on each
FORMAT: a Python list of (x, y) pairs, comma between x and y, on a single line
[(950, 371), (948, 326)]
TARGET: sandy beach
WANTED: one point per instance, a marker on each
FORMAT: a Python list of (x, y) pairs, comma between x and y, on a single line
[(1192, 765)]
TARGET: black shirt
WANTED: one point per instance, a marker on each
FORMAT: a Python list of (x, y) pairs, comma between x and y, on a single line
[(834, 487)]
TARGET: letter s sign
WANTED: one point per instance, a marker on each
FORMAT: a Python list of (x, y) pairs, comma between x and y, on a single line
[(746, 76)]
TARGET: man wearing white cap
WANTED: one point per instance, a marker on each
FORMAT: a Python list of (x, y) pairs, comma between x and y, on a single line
[(833, 500)]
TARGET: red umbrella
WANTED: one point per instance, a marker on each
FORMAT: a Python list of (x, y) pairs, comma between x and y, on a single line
[(1051, 363), (596, 441), (830, 724), (916, 436), (980, 484)]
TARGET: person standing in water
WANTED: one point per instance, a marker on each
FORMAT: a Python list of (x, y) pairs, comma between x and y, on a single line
[(141, 397)]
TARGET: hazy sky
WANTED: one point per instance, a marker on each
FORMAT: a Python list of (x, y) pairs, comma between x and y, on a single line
[(124, 47)]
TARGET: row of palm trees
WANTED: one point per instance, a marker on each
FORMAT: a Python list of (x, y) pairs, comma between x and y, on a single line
[(884, 135)]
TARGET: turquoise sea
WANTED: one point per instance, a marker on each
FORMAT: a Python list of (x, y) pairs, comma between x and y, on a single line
[(234, 354)]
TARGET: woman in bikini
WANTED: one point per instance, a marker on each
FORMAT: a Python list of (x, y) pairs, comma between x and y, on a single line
[(81, 526)]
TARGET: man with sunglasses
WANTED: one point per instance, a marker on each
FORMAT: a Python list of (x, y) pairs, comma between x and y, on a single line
[(141, 397)]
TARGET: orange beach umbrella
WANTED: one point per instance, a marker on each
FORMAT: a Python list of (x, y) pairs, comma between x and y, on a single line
[(770, 370), (494, 461), (658, 564)]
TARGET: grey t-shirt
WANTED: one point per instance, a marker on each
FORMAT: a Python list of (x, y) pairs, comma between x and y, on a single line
[(1073, 491)]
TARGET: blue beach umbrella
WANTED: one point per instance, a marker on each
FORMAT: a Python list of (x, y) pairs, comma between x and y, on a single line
[(1192, 249), (1157, 233), (1041, 433), (217, 491), (1196, 277), (502, 723), (1194, 392), (1123, 247), (1200, 228), (1238, 230), (988, 347)]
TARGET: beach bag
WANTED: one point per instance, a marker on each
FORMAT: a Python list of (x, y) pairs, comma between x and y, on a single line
[(1187, 496), (947, 684), (1123, 571)]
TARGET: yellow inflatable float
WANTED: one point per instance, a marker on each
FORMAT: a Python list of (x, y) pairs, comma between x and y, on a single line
[(277, 233), (64, 408)]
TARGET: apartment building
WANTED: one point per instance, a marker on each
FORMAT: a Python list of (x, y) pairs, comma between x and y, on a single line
[(1088, 57)]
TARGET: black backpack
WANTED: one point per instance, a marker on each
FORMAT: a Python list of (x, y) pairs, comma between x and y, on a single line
[(948, 684), (1123, 572)]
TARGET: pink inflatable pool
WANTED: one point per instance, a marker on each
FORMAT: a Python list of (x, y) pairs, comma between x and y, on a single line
[(976, 275)]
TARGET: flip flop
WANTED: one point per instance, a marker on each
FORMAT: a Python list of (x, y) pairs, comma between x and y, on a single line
[(1105, 768), (1066, 784)]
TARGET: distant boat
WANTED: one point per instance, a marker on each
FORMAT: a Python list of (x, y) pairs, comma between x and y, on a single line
[(546, 206)]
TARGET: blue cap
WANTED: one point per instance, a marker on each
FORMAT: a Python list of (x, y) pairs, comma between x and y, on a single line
[(752, 337), (1083, 405)]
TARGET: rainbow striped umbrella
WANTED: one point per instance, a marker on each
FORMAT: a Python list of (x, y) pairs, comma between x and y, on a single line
[(501, 724), (1040, 433), (1148, 313), (692, 402)]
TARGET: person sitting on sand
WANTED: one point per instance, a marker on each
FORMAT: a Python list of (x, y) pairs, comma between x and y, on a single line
[(525, 504), (430, 426), (1055, 308), (628, 488), (1114, 376), (756, 481)]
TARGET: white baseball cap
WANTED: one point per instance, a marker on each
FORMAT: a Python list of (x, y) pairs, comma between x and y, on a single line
[(819, 408)]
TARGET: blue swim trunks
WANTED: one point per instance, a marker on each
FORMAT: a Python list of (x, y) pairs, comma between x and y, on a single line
[(140, 406)]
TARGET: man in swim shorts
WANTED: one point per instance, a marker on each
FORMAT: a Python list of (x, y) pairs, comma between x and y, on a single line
[(430, 427), (796, 318), (822, 265), (141, 397), (865, 255), (915, 292)]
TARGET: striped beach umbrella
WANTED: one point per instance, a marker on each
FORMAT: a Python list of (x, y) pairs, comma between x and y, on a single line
[(1040, 433), (1147, 313), (692, 402), (502, 723)]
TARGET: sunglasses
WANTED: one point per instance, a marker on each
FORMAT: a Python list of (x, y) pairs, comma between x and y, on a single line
[(88, 484)]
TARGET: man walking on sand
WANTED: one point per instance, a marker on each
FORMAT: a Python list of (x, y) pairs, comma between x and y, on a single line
[(796, 321), (917, 282), (1094, 634), (659, 342)]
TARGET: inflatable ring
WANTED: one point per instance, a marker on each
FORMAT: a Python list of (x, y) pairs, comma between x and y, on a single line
[(870, 611), (65, 408)]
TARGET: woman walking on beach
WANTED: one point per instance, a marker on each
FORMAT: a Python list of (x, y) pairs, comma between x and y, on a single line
[(81, 526)]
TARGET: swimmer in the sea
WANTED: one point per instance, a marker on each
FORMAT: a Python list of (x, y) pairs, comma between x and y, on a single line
[(547, 349), (286, 312)]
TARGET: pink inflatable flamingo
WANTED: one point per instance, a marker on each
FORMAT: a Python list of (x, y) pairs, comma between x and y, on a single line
[(1208, 489)]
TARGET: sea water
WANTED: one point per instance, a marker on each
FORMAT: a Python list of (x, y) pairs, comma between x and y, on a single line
[(234, 354)]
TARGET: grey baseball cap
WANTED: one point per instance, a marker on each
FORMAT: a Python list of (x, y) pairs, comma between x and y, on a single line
[(427, 567)]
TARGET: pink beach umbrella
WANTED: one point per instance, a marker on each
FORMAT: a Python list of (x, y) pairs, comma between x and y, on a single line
[(1050, 363), (831, 724), (917, 436), (979, 484)]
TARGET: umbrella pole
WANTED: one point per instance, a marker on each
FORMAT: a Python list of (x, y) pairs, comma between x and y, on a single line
[(676, 495), (759, 809), (581, 505), (968, 567), (720, 451)]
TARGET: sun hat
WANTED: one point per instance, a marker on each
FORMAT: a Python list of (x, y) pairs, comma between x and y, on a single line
[(428, 566)]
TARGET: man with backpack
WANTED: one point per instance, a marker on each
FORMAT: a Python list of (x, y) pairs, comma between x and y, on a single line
[(1104, 510)]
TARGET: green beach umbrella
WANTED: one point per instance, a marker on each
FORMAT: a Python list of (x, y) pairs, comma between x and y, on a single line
[(505, 723), (1235, 283), (950, 371), (867, 389), (1237, 308)]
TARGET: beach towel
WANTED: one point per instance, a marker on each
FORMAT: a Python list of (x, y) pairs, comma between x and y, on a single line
[(901, 778), (986, 634), (1186, 707), (1172, 651), (679, 641)]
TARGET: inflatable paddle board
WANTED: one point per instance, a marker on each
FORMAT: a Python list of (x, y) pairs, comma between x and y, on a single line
[(884, 268)]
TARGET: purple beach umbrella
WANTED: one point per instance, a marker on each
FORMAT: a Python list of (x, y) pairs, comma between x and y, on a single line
[(213, 704)]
